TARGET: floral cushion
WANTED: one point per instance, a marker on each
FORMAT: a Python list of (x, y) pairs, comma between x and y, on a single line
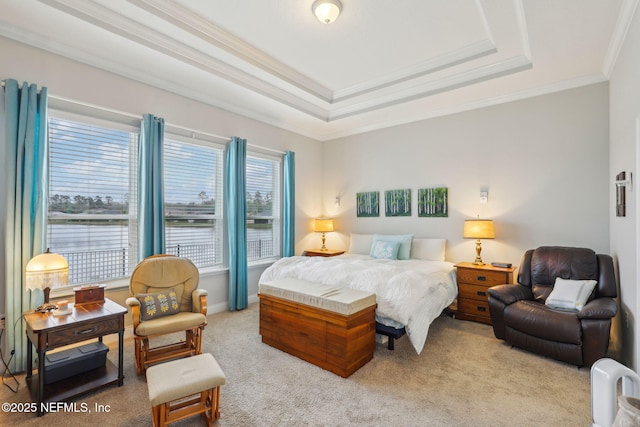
[(158, 304), (404, 241), (382, 249)]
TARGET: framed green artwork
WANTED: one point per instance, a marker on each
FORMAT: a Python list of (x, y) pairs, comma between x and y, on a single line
[(368, 204), (433, 202), (397, 202)]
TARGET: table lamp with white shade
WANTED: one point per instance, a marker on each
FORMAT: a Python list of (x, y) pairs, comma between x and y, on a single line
[(46, 271)]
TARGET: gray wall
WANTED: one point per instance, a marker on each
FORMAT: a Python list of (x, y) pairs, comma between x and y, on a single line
[(544, 162), (624, 141)]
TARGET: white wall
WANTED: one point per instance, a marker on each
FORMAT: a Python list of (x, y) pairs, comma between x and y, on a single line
[(624, 141), (544, 162), (69, 79)]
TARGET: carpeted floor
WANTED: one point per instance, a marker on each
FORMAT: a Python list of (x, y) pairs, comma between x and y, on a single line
[(464, 377)]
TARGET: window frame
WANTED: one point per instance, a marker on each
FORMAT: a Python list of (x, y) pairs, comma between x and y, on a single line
[(254, 152), (202, 140), (116, 122)]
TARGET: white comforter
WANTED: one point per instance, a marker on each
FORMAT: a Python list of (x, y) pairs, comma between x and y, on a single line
[(410, 292)]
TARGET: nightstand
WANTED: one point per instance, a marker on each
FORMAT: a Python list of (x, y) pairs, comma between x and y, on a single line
[(320, 252), (474, 282)]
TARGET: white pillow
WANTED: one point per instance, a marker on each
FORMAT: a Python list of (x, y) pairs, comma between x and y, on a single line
[(404, 239), (428, 249), (360, 244), (570, 294)]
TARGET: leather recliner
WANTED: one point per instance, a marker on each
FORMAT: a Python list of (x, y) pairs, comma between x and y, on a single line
[(521, 318)]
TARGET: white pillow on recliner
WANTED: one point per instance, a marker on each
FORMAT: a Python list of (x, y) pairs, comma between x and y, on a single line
[(570, 294)]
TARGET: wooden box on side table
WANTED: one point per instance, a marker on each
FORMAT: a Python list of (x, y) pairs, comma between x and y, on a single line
[(474, 282), (89, 294)]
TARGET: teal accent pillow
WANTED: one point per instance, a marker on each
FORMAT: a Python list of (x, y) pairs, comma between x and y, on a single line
[(158, 304), (383, 249), (404, 252)]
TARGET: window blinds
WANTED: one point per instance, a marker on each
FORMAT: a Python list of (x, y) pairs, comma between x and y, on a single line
[(263, 174), (92, 199), (193, 201)]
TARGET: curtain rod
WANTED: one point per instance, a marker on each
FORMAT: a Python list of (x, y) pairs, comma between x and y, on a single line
[(197, 132), (19, 85), (273, 150), (95, 107)]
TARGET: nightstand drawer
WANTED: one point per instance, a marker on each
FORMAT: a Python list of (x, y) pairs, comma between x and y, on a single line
[(484, 278), (474, 282), (476, 292), (81, 333), (474, 307)]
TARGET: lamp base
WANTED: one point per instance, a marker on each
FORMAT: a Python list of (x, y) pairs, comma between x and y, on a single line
[(47, 306), (323, 248), (478, 260)]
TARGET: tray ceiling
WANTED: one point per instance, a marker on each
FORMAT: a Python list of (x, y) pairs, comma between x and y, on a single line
[(382, 63)]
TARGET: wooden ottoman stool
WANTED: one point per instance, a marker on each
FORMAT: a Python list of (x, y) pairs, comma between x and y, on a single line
[(185, 387)]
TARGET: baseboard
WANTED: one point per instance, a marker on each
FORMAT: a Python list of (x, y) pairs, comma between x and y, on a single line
[(224, 306)]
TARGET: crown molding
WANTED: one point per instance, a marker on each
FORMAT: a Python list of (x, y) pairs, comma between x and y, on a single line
[(466, 78), (460, 56), (209, 32), (308, 108), (116, 23), (367, 95), (625, 17), (483, 103), (101, 63)]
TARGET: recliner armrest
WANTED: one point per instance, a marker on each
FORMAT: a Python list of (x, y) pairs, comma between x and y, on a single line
[(599, 308), (131, 301), (508, 294)]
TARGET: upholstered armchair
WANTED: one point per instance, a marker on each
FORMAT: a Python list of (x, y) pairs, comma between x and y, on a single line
[(165, 299), (531, 316)]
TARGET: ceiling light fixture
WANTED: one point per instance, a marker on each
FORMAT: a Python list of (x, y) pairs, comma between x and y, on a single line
[(327, 11)]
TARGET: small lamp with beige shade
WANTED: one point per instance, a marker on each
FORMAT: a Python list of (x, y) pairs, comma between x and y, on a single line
[(478, 229), (323, 225)]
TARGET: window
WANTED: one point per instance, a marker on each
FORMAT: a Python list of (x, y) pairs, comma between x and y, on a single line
[(263, 206), (92, 198), (193, 201)]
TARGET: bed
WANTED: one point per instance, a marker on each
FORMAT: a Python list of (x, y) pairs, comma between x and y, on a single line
[(412, 286)]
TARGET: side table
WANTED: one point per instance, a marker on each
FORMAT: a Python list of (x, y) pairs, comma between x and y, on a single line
[(320, 252), (86, 321), (474, 282)]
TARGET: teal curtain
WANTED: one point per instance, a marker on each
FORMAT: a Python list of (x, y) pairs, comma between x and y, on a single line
[(25, 171), (151, 239), (236, 221), (288, 208)]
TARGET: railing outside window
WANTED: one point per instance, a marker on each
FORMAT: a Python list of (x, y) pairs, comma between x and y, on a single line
[(97, 266)]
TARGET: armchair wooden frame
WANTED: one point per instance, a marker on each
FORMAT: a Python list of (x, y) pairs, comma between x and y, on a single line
[(144, 354)]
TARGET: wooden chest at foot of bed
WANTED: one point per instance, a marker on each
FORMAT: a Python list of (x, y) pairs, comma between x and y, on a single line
[(338, 336)]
